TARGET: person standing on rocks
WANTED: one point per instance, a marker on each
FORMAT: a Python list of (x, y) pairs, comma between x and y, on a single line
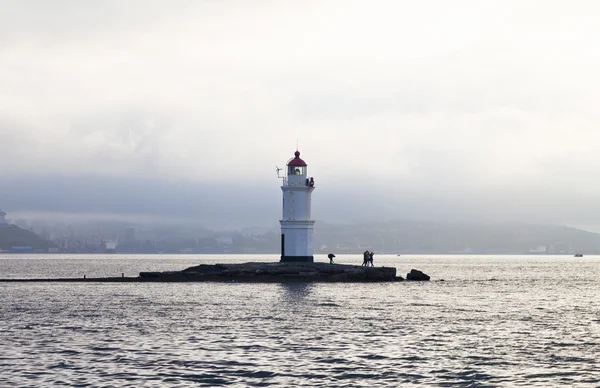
[(366, 255), (371, 258)]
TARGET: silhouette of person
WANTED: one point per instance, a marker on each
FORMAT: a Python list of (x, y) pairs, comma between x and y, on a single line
[(371, 259), (331, 256), (365, 258)]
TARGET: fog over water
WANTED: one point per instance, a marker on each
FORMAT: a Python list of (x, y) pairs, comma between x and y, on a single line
[(439, 111)]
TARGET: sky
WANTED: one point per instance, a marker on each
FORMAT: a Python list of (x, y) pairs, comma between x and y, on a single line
[(430, 110)]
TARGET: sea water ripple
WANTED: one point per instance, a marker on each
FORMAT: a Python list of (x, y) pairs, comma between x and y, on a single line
[(494, 321)]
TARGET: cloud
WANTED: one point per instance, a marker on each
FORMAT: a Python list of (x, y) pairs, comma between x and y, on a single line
[(432, 109)]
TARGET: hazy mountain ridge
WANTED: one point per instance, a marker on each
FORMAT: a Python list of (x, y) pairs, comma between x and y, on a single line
[(394, 237), (431, 237), (12, 237)]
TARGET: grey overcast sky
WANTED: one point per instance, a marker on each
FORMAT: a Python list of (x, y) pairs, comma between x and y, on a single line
[(434, 110)]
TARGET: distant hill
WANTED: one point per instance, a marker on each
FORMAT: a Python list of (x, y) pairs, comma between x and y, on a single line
[(432, 237), (391, 237), (12, 235), (399, 237)]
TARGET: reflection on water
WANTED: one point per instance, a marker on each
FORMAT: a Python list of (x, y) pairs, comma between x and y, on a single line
[(295, 293), (536, 324)]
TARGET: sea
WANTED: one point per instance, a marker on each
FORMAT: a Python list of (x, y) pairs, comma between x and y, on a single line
[(482, 321)]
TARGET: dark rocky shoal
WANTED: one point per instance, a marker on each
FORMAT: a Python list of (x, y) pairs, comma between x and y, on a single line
[(278, 272), (252, 272), (258, 272)]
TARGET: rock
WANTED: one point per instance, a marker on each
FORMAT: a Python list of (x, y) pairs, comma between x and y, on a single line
[(415, 274), (356, 274), (308, 274), (255, 272), (207, 268), (339, 277), (273, 272), (150, 274)]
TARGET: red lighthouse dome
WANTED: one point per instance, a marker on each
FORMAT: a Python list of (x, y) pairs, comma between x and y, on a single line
[(296, 166), (297, 162)]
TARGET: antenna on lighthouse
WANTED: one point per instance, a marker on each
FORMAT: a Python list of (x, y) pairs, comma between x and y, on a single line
[(278, 169)]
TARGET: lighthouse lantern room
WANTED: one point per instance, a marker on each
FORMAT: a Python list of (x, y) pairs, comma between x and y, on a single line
[(296, 225)]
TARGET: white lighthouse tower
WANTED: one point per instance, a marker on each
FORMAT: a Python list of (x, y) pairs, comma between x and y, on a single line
[(296, 225)]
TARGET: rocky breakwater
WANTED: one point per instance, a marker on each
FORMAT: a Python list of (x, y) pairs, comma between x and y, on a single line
[(276, 272)]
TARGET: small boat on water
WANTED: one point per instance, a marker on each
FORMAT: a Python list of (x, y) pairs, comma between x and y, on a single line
[(578, 255)]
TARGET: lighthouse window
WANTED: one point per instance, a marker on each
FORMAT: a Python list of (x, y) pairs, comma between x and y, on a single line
[(296, 170)]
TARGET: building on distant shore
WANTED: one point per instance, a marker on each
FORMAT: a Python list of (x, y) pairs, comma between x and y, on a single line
[(3, 221)]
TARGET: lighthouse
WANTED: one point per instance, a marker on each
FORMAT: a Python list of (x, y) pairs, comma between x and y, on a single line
[(296, 225)]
